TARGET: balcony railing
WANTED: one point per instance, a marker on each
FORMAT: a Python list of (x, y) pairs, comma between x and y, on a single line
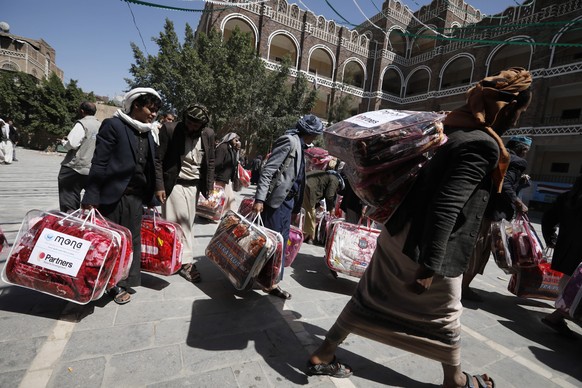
[(558, 120)]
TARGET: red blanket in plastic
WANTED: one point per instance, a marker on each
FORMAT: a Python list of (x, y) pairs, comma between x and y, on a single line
[(49, 269), (161, 245)]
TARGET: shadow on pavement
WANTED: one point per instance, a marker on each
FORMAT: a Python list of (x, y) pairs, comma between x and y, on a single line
[(25, 301), (557, 352), (237, 323), (311, 272)]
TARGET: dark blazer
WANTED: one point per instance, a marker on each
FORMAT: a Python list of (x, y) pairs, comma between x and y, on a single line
[(170, 153), (566, 214), (113, 164), (225, 163), (446, 204)]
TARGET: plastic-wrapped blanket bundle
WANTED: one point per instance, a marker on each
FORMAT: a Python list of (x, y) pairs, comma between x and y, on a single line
[(270, 274), (63, 255), (162, 243), (384, 151), (213, 206), (539, 282), (350, 247), (569, 299), (246, 206), (373, 140), (240, 249), (378, 188), (123, 263), (501, 232)]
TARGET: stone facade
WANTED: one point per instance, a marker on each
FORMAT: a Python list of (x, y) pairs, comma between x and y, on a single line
[(428, 59), (35, 57)]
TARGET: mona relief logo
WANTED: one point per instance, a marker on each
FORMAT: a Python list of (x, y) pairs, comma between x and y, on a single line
[(59, 252)]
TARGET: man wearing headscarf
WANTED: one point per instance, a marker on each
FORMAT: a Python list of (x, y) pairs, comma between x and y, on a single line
[(226, 166), (280, 187), (185, 168), (503, 205), (122, 175), (410, 295)]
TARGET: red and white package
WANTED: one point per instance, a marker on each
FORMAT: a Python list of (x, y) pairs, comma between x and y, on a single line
[(350, 247), (244, 176), (123, 262), (162, 244), (246, 206), (63, 255), (213, 206), (240, 249)]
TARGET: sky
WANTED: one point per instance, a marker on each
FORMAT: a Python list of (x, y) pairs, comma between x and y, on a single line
[(92, 37)]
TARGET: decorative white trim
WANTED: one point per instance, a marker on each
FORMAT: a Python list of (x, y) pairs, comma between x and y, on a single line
[(417, 69), (360, 62), (289, 35), (392, 67), (547, 130), (499, 47), (245, 19), (451, 60), (325, 48), (557, 37)]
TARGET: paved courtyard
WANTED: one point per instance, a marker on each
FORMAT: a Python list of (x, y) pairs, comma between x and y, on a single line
[(176, 334)]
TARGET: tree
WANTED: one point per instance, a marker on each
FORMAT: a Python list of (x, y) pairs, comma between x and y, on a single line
[(340, 109), (43, 111), (226, 76)]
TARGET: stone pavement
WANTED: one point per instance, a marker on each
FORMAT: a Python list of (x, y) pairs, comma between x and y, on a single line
[(175, 334)]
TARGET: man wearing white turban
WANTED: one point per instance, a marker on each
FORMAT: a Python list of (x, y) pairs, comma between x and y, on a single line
[(122, 175)]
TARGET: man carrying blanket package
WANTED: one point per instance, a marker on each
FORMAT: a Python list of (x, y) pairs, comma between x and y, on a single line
[(410, 296), (282, 181)]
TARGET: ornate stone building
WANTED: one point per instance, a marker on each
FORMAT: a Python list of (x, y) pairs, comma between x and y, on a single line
[(426, 60), (31, 56)]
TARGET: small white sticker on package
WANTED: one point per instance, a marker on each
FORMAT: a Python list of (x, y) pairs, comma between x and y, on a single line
[(378, 117), (59, 252)]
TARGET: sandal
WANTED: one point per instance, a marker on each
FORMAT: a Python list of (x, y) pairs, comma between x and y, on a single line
[(480, 380), (190, 273), (333, 369), (119, 295), (278, 292)]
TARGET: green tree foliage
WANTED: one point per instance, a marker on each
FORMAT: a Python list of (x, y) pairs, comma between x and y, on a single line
[(340, 109), (18, 99), (42, 111), (229, 78)]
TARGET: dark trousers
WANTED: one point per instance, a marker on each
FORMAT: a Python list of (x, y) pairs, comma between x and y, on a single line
[(128, 212), (70, 185), (279, 220)]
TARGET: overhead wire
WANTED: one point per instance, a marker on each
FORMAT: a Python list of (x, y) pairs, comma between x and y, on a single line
[(156, 5), (232, 4), (137, 28)]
